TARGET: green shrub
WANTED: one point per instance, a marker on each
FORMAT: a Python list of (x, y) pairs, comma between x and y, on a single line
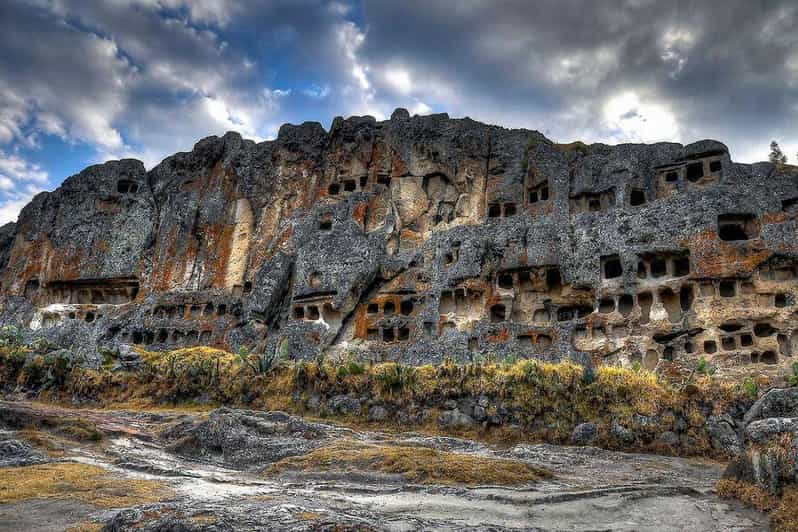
[(588, 374), (11, 337), (355, 368), (750, 386), (393, 378), (793, 379), (703, 367), (58, 365)]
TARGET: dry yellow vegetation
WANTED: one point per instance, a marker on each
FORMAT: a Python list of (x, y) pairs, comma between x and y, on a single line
[(546, 399), (783, 510), (86, 527), (68, 480), (415, 464)]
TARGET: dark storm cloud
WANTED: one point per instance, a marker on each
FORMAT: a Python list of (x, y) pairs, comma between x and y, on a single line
[(728, 69), (145, 78)]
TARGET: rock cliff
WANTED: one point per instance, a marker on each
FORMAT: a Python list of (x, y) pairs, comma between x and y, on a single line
[(415, 239)]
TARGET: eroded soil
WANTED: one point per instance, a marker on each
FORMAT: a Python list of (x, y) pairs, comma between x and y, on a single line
[(218, 471)]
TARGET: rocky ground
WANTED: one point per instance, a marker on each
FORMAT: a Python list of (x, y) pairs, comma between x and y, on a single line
[(244, 470)]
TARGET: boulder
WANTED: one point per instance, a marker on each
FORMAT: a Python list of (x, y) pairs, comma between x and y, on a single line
[(14, 453), (455, 419), (584, 434), (377, 413), (345, 405), (778, 402), (622, 433), (723, 436), (247, 439), (669, 438), (764, 430)]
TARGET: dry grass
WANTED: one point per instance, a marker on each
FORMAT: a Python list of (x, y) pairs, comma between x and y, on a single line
[(86, 483), (86, 527), (783, 510), (307, 516), (53, 446), (547, 400), (414, 464), (204, 519), (748, 493)]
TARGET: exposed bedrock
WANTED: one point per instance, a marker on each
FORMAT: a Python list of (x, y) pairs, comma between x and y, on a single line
[(416, 239), (770, 457)]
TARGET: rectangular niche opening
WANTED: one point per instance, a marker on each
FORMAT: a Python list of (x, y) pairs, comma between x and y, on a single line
[(612, 268), (637, 197), (736, 227), (695, 171), (727, 288)]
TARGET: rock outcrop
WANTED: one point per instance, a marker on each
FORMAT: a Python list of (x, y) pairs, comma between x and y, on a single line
[(770, 458), (248, 440), (416, 239)]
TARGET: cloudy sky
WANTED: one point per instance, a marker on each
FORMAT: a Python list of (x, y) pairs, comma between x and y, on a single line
[(84, 81)]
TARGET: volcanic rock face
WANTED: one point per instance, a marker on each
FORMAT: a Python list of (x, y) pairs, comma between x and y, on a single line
[(416, 239)]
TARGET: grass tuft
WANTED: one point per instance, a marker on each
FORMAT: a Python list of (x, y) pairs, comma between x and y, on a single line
[(783, 510), (415, 464), (86, 483)]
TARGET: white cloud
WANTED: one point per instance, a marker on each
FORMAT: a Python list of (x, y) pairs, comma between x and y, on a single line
[(676, 46), (349, 40), (630, 119), (399, 80), (17, 169), (420, 108), (584, 68), (317, 92), (11, 205)]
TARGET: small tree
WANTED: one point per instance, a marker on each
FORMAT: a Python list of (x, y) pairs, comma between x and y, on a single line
[(776, 156)]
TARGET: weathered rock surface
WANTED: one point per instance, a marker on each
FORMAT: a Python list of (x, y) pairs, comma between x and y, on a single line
[(592, 489), (584, 434), (778, 402), (770, 457), (723, 434), (15, 453), (246, 439), (415, 239)]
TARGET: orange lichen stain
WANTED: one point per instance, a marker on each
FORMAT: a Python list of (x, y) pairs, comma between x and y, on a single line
[(408, 235), (398, 166), (285, 236), (359, 213), (361, 324), (162, 273), (280, 243), (716, 258), (541, 207), (442, 320), (375, 157), (592, 320), (502, 336), (492, 299), (475, 284), (107, 206), (222, 236), (770, 218), (63, 265)]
